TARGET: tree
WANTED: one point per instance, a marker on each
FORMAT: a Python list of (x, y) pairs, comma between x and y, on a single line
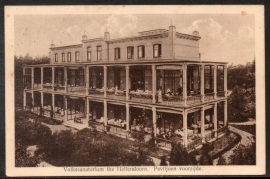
[(22, 158), (243, 155), (222, 161)]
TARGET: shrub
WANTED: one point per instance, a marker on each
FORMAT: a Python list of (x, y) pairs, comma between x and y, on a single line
[(243, 155)]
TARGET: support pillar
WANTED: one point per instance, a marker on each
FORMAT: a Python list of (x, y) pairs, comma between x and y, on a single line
[(32, 78), (105, 81), (65, 106), (87, 108), (41, 99), (127, 116), (65, 78), (86, 80), (202, 125), (154, 111), (225, 80), (215, 82), (202, 83), (154, 83), (127, 83), (215, 119), (33, 100), (24, 99), (225, 113), (105, 113), (41, 77), (53, 101), (185, 126), (185, 84), (53, 73)]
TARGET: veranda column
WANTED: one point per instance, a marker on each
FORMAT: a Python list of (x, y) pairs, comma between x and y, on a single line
[(65, 106), (87, 108), (185, 84), (41, 77), (105, 112), (53, 101), (225, 80), (154, 83), (202, 83), (32, 78), (127, 116), (105, 81), (215, 119), (185, 126), (127, 82), (202, 125), (41, 99), (215, 81), (86, 80), (225, 113), (53, 70), (33, 100), (65, 78), (24, 99), (154, 111)]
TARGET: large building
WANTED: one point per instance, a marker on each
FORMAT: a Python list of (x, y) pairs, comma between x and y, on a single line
[(154, 82)]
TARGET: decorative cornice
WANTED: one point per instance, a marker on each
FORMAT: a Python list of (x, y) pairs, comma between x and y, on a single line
[(135, 38), (66, 47), (93, 40), (186, 36)]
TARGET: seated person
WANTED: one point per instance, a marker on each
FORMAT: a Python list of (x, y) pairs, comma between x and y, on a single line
[(111, 89)]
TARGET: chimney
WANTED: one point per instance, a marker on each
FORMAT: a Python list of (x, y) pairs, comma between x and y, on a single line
[(107, 35)]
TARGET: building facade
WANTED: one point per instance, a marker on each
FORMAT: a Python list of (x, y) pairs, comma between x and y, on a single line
[(154, 82)]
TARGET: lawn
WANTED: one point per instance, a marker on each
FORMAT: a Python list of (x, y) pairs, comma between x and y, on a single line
[(247, 128)]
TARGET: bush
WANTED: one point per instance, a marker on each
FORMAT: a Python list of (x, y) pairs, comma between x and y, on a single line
[(222, 161), (243, 155)]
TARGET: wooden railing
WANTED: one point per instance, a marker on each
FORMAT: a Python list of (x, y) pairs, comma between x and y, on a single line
[(193, 144), (164, 142), (37, 86), (209, 136), (76, 89), (194, 99), (209, 96), (59, 88), (220, 94)]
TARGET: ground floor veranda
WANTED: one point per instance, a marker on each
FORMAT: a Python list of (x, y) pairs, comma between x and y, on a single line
[(191, 126)]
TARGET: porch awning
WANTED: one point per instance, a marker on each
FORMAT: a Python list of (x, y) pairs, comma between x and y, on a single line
[(169, 67)]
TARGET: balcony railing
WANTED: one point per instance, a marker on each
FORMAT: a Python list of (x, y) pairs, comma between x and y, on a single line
[(194, 99), (95, 91), (209, 136), (76, 89), (141, 97), (27, 86), (221, 94), (47, 87), (209, 96), (37, 86), (116, 94), (59, 88), (194, 143)]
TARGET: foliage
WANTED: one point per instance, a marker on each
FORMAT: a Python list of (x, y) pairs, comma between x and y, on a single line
[(241, 103), (19, 62), (222, 161), (163, 161), (91, 148), (22, 158), (205, 158), (243, 155), (180, 156)]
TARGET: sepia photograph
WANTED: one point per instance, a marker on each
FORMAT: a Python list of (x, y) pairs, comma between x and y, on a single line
[(135, 90)]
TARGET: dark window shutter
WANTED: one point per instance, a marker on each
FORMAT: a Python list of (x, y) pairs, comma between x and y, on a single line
[(143, 51), (159, 50)]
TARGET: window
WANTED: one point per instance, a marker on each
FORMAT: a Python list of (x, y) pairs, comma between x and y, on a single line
[(63, 57), (88, 53), (141, 51), (77, 56), (220, 78), (208, 79), (56, 57), (69, 57), (99, 52), (117, 53), (157, 50), (130, 52)]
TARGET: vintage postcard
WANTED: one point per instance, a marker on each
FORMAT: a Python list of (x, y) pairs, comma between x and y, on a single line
[(135, 90)]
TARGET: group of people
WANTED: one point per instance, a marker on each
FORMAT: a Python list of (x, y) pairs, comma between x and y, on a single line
[(165, 134)]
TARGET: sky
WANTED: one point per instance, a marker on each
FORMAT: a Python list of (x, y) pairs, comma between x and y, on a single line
[(226, 37)]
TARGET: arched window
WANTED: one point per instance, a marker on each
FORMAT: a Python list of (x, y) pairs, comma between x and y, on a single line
[(117, 53), (88, 53), (69, 57), (77, 56), (141, 51), (130, 52), (63, 57), (157, 50), (56, 57), (99, 53)]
